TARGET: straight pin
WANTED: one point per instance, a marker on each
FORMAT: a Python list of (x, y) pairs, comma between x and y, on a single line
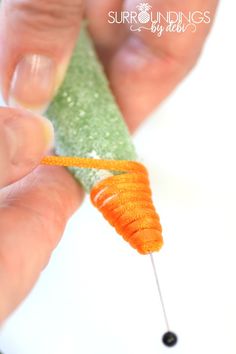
[(169, 338)]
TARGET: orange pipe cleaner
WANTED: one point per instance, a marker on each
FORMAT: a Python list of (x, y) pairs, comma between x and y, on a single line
[(123, 199)]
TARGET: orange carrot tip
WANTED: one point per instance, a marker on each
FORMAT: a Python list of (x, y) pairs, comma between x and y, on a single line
[(123, 199)]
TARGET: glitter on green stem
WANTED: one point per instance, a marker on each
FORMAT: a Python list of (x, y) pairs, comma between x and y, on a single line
[(87, 120)]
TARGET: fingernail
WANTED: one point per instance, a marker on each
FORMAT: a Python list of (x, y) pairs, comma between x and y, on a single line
[(136, 54), (48, 131), (33, 83), (27, 137)]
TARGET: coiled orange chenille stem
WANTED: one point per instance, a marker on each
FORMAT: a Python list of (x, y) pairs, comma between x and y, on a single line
[(124, 200)]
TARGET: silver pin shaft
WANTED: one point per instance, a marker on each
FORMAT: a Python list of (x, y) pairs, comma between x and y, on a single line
[(159, 291)]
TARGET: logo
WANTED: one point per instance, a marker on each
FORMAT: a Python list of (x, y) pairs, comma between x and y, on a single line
[(144, 15), (144, 19)]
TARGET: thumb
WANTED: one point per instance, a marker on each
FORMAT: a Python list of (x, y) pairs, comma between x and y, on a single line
[(24, 139), (36, 42)]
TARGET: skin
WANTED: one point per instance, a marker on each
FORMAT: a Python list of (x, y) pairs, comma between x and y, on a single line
[(142, 71)]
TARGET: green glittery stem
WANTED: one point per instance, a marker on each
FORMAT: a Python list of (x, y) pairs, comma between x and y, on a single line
[(86, 118)]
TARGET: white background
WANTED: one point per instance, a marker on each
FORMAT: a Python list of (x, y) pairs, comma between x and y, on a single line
[(97, 295)]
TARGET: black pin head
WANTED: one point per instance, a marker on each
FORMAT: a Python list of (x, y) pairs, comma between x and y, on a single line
[(169, 339)]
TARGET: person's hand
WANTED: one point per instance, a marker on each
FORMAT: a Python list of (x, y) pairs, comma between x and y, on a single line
[(36, 42)]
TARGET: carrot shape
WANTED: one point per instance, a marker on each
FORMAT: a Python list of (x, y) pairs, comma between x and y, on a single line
[(88, 124)]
